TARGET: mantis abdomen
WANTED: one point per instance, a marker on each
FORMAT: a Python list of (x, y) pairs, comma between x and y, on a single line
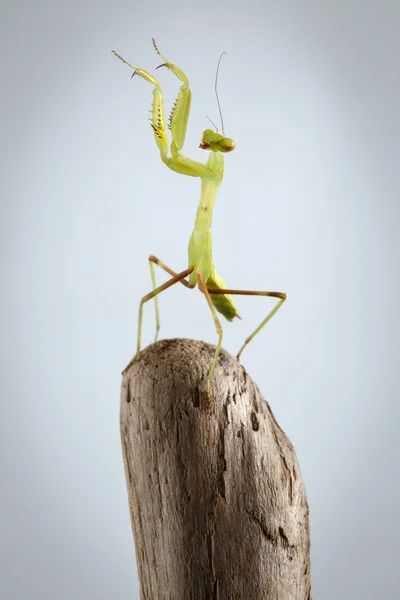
[(223, 302)]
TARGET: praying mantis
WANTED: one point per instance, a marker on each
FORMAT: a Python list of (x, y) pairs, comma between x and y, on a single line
[(201, 271)]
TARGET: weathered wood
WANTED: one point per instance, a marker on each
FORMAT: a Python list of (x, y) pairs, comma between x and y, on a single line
[(217, 502)]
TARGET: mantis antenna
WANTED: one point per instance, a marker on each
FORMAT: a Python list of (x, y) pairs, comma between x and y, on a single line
[(216, 93), (212, 123)]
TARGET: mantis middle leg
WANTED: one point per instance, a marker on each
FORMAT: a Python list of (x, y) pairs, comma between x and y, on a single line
[(280, 295), (148, 297), (153, 260)]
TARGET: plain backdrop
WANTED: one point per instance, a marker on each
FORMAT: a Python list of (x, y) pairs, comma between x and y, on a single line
[(309, 205)]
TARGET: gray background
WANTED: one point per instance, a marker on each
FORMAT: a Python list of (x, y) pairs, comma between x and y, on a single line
[(309, 205)]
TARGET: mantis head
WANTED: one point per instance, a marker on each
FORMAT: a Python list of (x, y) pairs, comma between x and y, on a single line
[(216, 142)]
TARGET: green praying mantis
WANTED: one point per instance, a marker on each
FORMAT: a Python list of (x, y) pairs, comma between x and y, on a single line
[(200, 271)]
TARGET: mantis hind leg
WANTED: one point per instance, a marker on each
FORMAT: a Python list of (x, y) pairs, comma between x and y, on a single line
[(218, 328), (148, 297), (280, 295), (153, 260)]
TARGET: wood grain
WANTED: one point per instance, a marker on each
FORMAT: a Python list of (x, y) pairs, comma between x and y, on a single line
[(217, 502)]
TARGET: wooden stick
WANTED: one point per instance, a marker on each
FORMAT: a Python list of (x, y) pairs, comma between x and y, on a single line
[(217, 502)]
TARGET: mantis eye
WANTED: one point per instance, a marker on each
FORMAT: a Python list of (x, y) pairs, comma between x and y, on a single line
[(227, 144)]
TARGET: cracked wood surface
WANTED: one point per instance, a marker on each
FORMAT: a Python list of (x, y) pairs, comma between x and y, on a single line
[(217, 502)]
